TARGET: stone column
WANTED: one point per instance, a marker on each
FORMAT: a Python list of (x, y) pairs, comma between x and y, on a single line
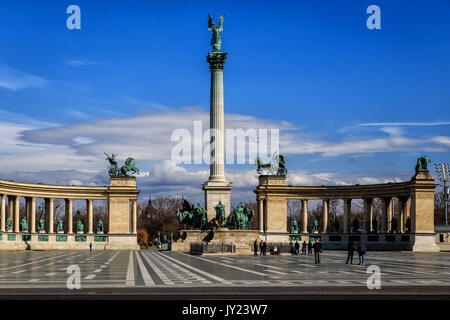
[(69, 215), (217, 188), (386, 214), (11, 210), (261, 215), (347, 214), (134, 216), (405, 213), (50, 210), (16, 214), (3, 212), (33, 214), (90, 212), (325, 216), (305, 215), (367, 214)]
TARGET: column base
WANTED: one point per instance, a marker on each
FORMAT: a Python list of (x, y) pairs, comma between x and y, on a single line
[(215, 192)]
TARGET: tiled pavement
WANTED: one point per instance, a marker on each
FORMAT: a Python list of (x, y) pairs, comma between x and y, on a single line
[(113, 269)]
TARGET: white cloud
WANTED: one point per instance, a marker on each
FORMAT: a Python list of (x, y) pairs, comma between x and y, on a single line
[(14, 80), (83, 62)]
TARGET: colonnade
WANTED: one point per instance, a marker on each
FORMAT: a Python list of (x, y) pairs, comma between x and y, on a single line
[(30, 214)]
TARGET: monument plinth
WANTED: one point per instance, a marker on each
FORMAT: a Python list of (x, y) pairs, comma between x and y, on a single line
[(217, 188)]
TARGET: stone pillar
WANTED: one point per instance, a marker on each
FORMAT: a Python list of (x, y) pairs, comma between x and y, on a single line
[(367, 214), (305, 215), (69, 215), (11, 210), (33, 214), (16, 214), (347, 214), (90, 212), (3, 212), (386, 214), (134, 216), (325, 216), (261, 215), (404, 214), (217, 188), (49, 209)]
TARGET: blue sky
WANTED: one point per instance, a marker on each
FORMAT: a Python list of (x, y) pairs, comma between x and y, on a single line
[(364, 104)]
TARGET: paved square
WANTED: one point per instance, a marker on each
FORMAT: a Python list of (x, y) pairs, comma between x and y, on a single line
[(151, 269)]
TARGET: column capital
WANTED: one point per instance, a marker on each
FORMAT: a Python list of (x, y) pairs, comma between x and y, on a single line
[(216, 60)]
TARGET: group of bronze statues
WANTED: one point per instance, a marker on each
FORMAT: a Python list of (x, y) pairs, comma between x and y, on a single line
[(354, 226), (191, 217), (59, 226)]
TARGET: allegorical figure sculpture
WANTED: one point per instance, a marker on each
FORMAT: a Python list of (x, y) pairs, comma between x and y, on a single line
[(355, 225), (394, 225), (41, 225), (408, 225), (23, 225), (375, 225), (59, 226), (100, 226), (335, 225), (8, 223), (115, 171), (80, 226), (315, 226), (220, 213), (294, 226), (216, 41), (422, 164)]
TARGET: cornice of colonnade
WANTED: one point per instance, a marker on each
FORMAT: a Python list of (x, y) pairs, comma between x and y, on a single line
[(357, 191), (37, 190)]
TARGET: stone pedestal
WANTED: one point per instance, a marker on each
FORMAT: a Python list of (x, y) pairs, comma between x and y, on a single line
[(214, 193), (422, 212), (121, 191)]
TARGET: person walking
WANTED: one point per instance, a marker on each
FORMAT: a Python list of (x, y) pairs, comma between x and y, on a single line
[(310, 247), (90, 246), (291, 248), (304, 245), (264, 248), (261, 243), (350, 250), (255, 247), (361, 253), (297, 247), (317, 250)]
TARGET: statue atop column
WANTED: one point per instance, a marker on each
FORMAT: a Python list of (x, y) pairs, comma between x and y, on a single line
[(216, 41), (422, 164), (115, 171)]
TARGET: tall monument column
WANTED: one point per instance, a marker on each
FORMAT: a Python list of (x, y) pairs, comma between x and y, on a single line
[(216, 188)]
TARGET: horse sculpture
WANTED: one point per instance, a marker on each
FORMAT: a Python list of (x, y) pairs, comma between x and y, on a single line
[(278, 165), (115, 171)]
